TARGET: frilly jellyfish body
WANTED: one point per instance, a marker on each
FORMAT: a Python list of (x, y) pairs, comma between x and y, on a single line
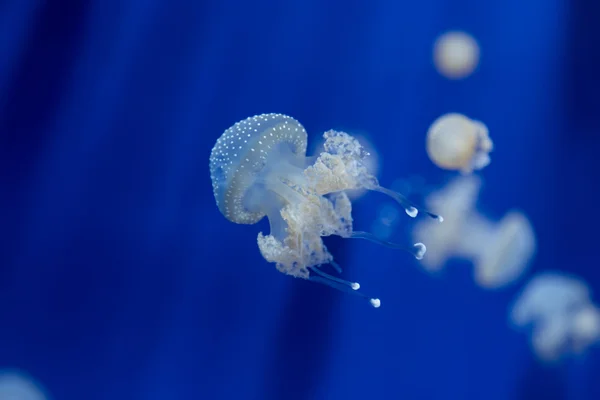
[(560, 314), (458, 143), (500, 251), (259, 168)]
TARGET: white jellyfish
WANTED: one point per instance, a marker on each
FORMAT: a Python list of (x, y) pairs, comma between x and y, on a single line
[(560, 315), (456, 54), (500, 251), (259, 168), (457, 143), (15, 385)]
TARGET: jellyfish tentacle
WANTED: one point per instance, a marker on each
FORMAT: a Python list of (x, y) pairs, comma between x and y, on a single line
[(340, 284), (336, 266), (351, 285), (417, 250), (409, 206)]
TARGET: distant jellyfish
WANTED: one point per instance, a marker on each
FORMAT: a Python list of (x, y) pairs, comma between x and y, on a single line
[(558, 311), (457, 143), (500, 251), (15, 385), (455, 54), (259, 168)]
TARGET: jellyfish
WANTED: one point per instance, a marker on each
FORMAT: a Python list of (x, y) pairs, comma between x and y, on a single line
[(15, 385), (259, 168), (456, 54), (500, 251), (558, 311), (457, 143)]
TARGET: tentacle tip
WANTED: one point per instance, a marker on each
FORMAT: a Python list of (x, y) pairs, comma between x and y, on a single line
[(438, 218), (420, 250), (411, 211), (376, 303), (355, 285)]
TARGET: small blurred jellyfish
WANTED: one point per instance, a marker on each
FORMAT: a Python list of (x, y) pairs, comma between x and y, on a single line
[(455, 54), (259, 168), (500, 251), (558, 311), (457, 143), (16, 385)]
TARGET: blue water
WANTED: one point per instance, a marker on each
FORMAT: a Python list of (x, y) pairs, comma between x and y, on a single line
[(120, 279)]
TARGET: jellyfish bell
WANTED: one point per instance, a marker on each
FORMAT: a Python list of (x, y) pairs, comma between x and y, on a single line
[(259, 168), (244, 157), (456, 54), (457, 143)]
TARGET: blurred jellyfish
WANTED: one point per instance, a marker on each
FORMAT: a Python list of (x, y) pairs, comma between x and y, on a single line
[(458, 143), (259, 168), (16, 385), (455, 54), (500, 251), (559, 312)]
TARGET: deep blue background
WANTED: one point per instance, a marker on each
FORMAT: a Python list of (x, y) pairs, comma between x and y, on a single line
[(119, 278)]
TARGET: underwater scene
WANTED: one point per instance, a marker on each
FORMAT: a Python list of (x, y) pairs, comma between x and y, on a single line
[(299, 200)]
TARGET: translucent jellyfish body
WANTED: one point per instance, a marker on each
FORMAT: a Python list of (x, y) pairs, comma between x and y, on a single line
[(456, 54), (500, 251), (457, 143), (15, 385), (559, 313), (259, 168)]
